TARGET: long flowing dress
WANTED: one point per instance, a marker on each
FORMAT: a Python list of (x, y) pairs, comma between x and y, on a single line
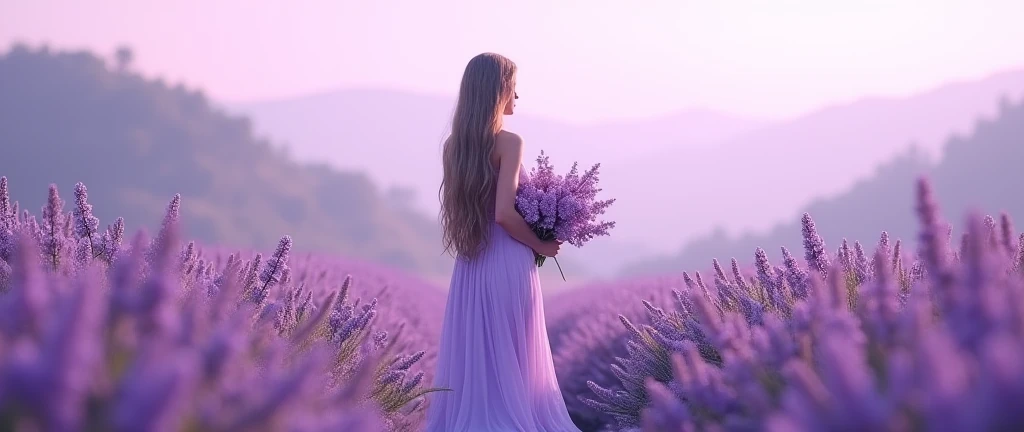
[(495, 355)]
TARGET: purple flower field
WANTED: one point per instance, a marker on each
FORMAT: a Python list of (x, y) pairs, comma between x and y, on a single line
[(99, 331), (106, 330), (888, 340)]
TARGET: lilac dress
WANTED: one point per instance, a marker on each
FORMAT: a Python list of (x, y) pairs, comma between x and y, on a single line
[(494, 355)]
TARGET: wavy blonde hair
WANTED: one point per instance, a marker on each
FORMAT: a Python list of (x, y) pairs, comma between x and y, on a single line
[(468, 183)]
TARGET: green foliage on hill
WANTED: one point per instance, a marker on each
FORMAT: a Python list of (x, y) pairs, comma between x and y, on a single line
[(135, 142)]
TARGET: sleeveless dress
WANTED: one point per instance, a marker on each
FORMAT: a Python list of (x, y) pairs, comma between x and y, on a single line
[(495, 355)]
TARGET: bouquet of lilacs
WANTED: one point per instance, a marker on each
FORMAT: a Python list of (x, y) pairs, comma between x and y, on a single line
[(563, 208)]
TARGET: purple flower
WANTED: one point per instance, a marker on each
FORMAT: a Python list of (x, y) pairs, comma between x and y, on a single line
[(814, 247), (845, 256), (796, 277), (719, 272), (767, 278), (528, 203), (861, 266), (1007, 234), (5, 276), (52, 233), (111, 240), (7, 239), (86, 224), (549, 209), (933, 247), (897, 257), (273, 270), (562, 207), (8, 213), (170, 222)]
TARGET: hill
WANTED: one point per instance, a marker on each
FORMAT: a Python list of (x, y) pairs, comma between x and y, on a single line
[(756, 181), (980, 171), (67, 117), (675, 177), (396, 136)]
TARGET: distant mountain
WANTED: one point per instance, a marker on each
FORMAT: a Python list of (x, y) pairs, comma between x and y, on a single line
[(757, 180), (396, 136), (675, 177), (66, 117), (982, 171)]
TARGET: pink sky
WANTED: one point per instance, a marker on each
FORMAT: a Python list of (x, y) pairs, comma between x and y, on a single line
[(579, 60)]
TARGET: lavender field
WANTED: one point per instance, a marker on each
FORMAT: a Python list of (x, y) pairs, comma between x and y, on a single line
[(101, 330), (104, 327), (866, 338), (235, 216)]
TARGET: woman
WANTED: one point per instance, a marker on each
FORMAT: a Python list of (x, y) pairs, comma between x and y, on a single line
[(494, 355)]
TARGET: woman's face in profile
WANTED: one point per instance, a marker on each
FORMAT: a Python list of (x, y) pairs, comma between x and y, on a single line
[(511, 104)]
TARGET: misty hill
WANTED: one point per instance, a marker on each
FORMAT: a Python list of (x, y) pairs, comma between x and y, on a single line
[(396, 136), (68, 117), (981, 171), (758, 180), (675, 177)]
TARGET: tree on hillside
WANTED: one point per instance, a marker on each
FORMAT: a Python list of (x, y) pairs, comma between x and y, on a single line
[(124, 56)]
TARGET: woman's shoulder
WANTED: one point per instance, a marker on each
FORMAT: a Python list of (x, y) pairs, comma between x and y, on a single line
[(508, 136), (508, 141)]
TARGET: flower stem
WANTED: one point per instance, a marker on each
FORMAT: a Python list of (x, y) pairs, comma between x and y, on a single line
[(539, 260), (559, 269)]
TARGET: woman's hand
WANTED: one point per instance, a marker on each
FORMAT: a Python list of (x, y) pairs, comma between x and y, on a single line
[(549, 248)]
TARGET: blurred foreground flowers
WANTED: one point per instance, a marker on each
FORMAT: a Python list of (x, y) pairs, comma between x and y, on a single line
[(100, 333)]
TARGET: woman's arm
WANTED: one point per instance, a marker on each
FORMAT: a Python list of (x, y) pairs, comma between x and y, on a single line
[(510, 157)]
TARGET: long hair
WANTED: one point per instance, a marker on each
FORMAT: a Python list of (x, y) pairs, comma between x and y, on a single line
[(467, 186)]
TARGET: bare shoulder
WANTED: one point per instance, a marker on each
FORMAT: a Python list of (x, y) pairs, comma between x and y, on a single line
[(508, 143)]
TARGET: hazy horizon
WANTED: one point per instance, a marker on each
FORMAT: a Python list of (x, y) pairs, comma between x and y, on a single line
[(869, 130), (749, 60)]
